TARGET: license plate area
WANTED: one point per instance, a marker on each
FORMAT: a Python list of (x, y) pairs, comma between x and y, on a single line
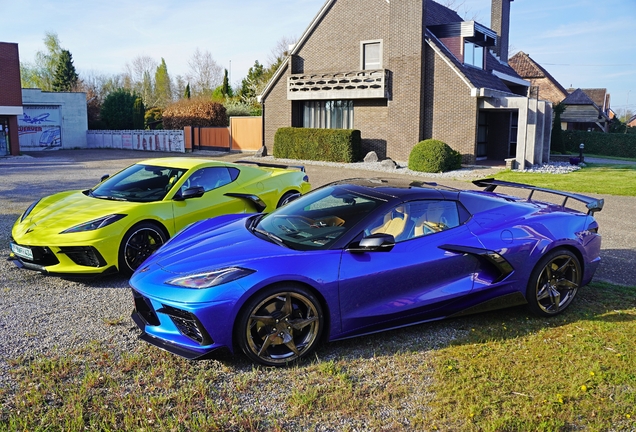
[(22, 252)]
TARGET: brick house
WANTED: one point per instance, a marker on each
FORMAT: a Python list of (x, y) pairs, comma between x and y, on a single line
[(10, 98), (528, 69), (586, 109), (406, 70)]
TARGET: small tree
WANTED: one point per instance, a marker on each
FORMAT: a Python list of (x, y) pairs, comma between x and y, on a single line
[(138, 114), (186, 95), (556, 137), (117, 110), (65, 77)]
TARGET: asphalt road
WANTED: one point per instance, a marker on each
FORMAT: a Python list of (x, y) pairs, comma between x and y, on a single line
[(42, 173)]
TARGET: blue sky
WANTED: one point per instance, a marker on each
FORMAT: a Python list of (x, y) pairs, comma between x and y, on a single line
[(582, 43)]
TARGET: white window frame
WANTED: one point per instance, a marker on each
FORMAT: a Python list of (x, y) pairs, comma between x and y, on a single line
[(371, 42)]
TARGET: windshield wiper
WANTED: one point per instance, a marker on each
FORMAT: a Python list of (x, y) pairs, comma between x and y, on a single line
[(108, 197), (273, 237)]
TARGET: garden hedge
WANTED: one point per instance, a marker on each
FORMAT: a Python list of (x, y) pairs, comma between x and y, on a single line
[(331, 145), (598, 143)]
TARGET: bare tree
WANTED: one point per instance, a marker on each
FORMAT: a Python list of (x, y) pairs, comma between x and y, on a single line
[(460, 7), (205, 74), (138, 77), (281, 50)]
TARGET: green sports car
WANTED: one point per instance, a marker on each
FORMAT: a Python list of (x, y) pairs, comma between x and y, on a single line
[(120, 222)]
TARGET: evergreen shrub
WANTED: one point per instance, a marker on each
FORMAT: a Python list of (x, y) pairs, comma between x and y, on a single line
[(434, 156), (331, 145)]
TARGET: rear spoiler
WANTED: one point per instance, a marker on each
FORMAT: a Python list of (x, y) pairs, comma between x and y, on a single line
[(271, 165), (593, 204)]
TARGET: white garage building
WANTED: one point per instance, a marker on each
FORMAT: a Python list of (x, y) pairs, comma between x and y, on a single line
[(52, 120)]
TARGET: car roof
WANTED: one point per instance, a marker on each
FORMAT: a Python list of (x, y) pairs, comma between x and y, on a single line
[(181, 162), (397, 188)]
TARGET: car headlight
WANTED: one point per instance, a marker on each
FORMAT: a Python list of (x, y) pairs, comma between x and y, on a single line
[(95, 224), (27, 212), (211, 278)]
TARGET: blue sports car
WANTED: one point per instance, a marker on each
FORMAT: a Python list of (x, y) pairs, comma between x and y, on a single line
[(361, 256)]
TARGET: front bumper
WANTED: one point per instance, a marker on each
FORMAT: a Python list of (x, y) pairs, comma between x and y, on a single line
[(63, 260)]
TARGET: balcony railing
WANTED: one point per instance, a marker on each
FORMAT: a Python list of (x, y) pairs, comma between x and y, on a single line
[(364, 84)]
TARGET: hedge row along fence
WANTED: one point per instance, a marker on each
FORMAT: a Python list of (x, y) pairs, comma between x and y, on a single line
[(605, 144), (332, 145)]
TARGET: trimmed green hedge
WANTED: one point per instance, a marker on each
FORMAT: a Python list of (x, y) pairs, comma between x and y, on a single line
[(331, 145), (605, 144), (434, 156)]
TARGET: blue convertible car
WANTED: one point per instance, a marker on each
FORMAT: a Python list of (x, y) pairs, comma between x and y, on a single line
[(361, 256)]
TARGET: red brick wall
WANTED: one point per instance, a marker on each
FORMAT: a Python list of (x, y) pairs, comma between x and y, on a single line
[(10, 87)]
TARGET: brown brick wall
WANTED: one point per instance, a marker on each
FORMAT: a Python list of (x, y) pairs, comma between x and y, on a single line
[(428, 99), (547, 90), (450, 113), (277, 113), (390, 127), (10, 86)]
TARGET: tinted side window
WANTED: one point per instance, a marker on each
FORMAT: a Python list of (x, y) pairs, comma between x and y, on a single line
[(416, 218), (209, 178)]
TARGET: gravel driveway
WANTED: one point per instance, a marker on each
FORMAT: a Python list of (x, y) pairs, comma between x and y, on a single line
[(40, 314)]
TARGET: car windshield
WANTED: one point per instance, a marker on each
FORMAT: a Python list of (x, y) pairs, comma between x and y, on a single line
[(317, 220), (139, 183)]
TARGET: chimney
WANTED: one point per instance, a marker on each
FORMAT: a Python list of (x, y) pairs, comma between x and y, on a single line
[(500, 23)]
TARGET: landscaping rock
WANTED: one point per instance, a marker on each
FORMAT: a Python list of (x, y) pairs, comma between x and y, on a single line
[(389, 163), (371, 157)]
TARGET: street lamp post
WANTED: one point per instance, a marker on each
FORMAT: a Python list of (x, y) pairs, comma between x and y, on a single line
[(581, 147)]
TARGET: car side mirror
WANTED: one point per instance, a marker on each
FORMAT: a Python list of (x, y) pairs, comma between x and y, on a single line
[(374, 243), (104, 177), (193, 192)]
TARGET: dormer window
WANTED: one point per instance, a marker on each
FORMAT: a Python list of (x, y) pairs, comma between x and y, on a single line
[(473, 55)]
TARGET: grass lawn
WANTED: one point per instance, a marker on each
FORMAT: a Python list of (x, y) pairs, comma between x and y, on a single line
[(500, 371), (594, 178)]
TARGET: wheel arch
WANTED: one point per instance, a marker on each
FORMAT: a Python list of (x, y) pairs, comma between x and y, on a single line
[(569, 248), (323, 304)]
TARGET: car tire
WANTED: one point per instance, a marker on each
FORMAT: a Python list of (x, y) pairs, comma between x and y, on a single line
[(138, 244), (280, 325), (553, 283), (287, 197)]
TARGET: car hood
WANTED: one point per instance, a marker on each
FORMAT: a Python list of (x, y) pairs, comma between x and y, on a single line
[(215, 243), (67, 209)]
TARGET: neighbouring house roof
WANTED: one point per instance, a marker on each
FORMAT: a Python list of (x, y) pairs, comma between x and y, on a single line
[(579, 97), (527, 68), (598, 95), (632, 121)]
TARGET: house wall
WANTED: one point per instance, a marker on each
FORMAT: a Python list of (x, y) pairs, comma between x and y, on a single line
[(391, 127), (450, 111), (10, 96), (547, 90), (277, 110), (72, 114)]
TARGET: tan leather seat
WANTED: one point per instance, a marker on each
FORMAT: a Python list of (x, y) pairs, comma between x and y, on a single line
[(393, 224)]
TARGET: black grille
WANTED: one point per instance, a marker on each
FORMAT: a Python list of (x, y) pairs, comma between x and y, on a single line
[(188, 324), (145, 310), (84, 255)]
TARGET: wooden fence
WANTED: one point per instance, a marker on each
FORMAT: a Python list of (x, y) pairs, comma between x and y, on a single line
[(243, 134)]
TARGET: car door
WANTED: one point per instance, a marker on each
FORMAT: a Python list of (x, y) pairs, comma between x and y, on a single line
[(216, 181), (413, 281)]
